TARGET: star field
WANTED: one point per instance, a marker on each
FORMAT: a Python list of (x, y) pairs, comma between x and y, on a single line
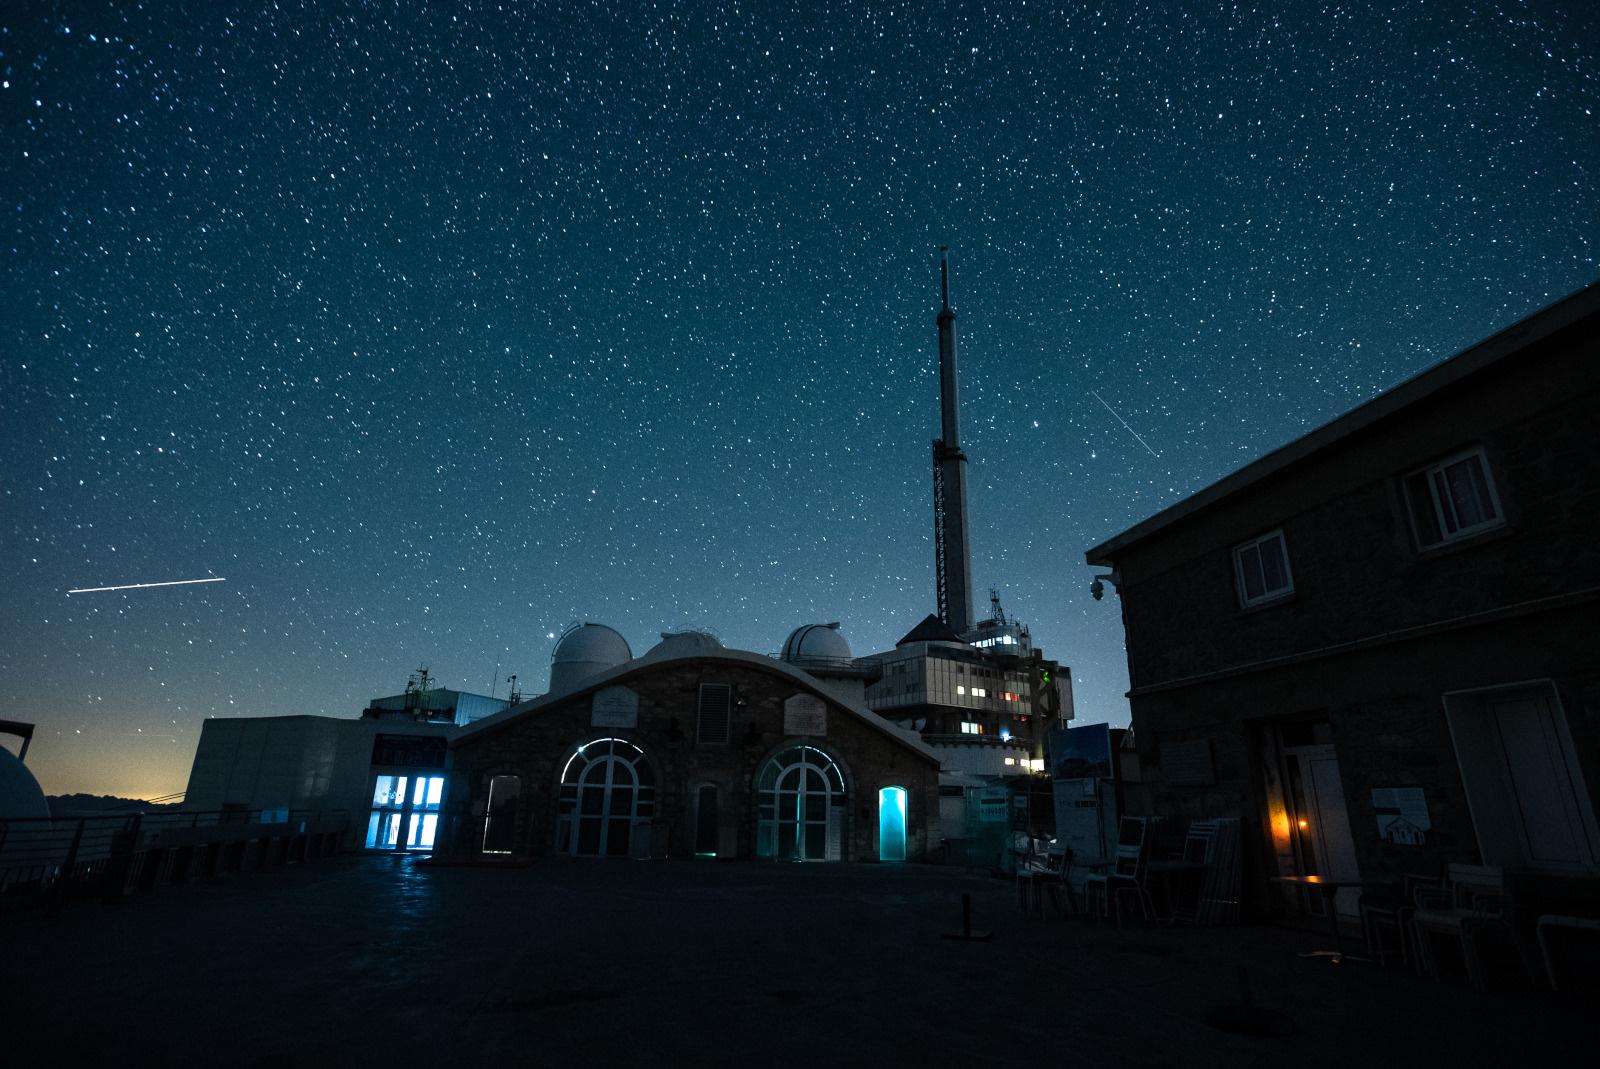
[(435, 327)]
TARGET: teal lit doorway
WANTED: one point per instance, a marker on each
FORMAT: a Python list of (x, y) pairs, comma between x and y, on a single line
[(892, 824)]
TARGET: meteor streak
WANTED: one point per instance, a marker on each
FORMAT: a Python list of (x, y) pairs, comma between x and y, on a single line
[(141, 586), (1124, 423)]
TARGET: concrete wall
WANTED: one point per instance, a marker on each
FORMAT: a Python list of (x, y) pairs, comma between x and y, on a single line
[(535, 745), (312, 763)]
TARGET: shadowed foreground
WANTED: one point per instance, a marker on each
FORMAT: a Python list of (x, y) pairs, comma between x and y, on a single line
[(368, 959)]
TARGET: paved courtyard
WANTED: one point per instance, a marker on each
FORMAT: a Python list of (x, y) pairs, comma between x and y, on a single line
[(371, 960)]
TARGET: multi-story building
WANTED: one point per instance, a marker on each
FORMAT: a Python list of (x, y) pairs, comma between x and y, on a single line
[(1379, 646)]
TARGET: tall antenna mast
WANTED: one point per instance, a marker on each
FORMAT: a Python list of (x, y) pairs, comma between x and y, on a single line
[(952, 565)]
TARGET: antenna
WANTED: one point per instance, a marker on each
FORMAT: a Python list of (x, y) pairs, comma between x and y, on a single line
[(944, 277), (516, 695), (494, 678)]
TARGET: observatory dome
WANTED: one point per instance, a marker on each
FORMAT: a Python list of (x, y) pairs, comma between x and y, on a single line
[(684, 644), (20, 796), (816, 642), (585, 651)]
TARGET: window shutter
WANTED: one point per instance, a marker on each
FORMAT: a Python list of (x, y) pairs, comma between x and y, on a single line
[(712, 725)]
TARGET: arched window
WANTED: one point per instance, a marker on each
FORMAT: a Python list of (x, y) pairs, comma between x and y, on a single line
[(608, 790), (800, 797)]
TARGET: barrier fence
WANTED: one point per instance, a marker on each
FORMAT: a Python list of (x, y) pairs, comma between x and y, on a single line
[(52, 859)]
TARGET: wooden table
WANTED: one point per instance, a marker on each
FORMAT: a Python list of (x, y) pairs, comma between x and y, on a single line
[(1329, 888)]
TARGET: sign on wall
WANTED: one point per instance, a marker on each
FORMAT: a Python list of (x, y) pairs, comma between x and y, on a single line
[(1402, 815), (805, 714), (614, 707), (992, 804)]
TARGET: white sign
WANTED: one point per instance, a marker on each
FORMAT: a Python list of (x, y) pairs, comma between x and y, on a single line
[(1402, 814), (615, 707), (805, 714), (992, 804)]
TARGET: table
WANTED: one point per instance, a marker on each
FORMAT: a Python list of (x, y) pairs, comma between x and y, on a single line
[(1329, 888)]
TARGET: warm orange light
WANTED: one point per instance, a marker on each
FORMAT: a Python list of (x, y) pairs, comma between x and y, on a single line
[(1304, 825)]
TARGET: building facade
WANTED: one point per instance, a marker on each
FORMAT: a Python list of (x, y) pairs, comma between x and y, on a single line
[(692, 749), (1379, 646)]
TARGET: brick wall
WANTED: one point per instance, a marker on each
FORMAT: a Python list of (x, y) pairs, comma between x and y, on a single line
[(536, 745)]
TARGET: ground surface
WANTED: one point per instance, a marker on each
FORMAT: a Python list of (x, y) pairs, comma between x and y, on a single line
[(371, 960)]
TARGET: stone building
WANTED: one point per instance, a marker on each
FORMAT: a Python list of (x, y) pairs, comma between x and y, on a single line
[(1378, 646), (691, 749)]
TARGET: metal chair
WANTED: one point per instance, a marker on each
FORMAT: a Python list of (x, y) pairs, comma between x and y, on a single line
[(1126, 879), (1046, 877), (1472, 901)]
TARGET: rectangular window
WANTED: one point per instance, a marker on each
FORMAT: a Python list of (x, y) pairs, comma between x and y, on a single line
[(1261, 567), (713, 721), (970, 728), (1452, 499)]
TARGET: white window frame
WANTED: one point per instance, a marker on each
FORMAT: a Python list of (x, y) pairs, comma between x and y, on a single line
[(1444, 512), (1276, 593)]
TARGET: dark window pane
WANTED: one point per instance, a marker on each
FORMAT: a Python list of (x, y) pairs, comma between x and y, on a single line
[(787, 805), (621, 800), (1469, 492), (1274, 573), (592, 799), (1250, 568), (1446, 508), (617, 837), (1420, 502), (705, 823), (589, 836), (816, 842), (786, 840), (816, 807)]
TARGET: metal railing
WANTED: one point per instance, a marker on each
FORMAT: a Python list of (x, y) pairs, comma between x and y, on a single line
[(53, 858)]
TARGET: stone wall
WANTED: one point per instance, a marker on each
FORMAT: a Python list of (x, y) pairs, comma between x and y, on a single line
[(1356, 570), (536, 745)]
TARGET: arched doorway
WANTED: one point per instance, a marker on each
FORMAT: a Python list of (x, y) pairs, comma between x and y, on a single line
[(800, 797), (892, 824), (608, 791)]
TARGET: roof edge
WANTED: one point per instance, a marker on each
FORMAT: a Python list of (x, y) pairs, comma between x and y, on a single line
[(1530, 330)]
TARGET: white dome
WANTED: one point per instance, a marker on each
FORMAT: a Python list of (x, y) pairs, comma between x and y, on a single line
[(684, 644), (816, 642), (20, 796), (583, 652)]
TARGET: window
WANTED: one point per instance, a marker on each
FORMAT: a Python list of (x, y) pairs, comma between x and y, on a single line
[(969, 728), (500, 815), (1452, 499), (712, 726), (1261, 567), (801, 807), (608, 790)]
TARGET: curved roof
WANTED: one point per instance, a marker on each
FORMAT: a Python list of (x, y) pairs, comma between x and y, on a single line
[(683, 644), (816, 642), (721, 654), (20, 796)]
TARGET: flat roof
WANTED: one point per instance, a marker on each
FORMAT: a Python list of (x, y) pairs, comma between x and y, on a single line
[(1508, 342)]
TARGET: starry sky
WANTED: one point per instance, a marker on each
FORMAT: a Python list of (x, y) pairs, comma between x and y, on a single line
[(435, 327)]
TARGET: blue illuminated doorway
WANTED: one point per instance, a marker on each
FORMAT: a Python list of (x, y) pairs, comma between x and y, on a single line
[(892, 824)]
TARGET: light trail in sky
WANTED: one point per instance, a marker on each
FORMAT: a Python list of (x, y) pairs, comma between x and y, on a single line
[(1124, 423), (141, 586)]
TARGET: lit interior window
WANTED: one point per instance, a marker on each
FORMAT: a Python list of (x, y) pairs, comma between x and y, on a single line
[(1011, 760), (1036, 764), (970, 728), (960, 689)]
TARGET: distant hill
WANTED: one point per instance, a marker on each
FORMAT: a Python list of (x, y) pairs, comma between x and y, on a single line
[(95, 805)]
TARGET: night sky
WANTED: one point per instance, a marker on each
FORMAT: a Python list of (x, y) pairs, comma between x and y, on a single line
[(436, 327)]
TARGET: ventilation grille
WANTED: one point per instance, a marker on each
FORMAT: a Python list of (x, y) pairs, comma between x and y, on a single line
[(712, 725)]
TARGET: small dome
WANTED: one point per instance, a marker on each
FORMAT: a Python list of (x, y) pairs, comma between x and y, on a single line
[(816, 642), (684, 644), (586, 651), (20, 796)]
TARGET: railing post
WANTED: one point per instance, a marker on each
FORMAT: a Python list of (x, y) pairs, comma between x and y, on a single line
[(58, 890)]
